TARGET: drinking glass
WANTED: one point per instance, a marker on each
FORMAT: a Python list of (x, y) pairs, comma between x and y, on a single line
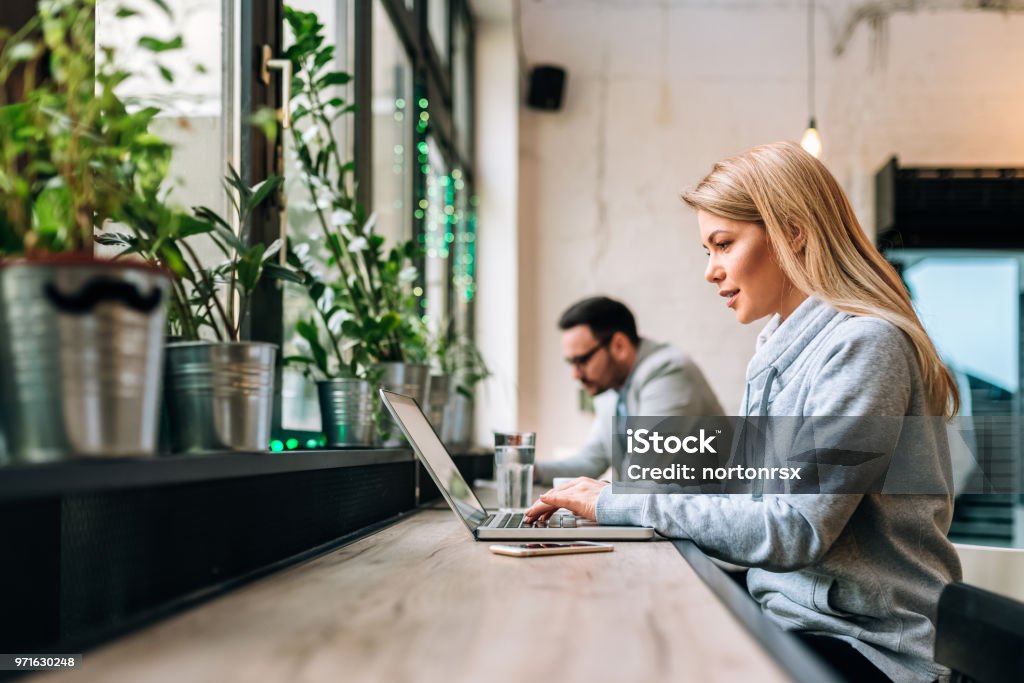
[(513, 469)]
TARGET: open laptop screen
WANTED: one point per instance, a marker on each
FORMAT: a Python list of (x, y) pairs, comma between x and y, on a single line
[(435, 458)]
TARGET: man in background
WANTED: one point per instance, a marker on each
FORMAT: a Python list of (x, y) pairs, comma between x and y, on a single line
[(628, 376)]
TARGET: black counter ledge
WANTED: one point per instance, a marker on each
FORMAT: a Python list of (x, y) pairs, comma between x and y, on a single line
[(795, 658), (82, 475)]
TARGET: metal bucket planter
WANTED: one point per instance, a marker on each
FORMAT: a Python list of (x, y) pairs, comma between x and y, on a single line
[(436, 401), (458, 420), (81, 347), (219, 396), (346, 412), (408, 379)]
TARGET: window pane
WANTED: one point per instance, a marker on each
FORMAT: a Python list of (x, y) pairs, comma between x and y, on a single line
[(299, 407), (437, 23), (464, 257), (437, 236), (197, 110), (393, 151), (461, 93)]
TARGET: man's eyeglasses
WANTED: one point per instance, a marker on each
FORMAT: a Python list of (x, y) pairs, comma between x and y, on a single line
[(581, 360)]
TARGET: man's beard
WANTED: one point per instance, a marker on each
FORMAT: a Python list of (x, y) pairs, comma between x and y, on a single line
[(618, 374)]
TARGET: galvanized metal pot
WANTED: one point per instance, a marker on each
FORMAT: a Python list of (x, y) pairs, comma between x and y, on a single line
[(346, 412), (457, 425), (409, 379), (219, 396), (81, 347), (438, 397)]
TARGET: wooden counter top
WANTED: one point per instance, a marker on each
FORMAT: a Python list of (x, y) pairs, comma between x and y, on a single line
[(421, 601)]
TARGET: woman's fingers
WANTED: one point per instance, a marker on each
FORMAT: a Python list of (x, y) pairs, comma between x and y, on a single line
[(579, 496), (539, 511)]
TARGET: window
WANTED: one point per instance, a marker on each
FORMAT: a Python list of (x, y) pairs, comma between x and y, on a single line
[(437, 22), (463, 255), (462, 92), (417, 174), (393, 151), (299, 408), (192, 87), (437, 206)]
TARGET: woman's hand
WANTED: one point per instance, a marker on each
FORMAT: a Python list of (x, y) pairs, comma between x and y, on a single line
[(579, 496)]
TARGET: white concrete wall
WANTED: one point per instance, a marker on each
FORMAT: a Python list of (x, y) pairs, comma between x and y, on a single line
[(658, 91), (498, 316)]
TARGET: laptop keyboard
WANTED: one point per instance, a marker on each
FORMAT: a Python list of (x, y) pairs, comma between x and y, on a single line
[(514, 520)]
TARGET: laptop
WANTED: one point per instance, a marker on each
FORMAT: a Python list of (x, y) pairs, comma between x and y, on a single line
[(498, 526)]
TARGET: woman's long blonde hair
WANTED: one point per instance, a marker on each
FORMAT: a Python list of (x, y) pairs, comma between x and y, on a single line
[(819, 244)]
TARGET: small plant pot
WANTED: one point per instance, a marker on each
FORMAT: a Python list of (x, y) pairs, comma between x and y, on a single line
[(81, 348), (346, 412), (219, 396), (438, 398), (457, 426), (408, 379)]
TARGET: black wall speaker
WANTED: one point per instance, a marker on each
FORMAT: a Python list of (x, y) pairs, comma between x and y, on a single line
[(547, 84)]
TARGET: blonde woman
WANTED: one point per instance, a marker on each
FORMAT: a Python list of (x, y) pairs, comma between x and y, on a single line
[(857, 575)]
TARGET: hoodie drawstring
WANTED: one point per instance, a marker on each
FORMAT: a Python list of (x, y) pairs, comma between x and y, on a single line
[(762, 409)]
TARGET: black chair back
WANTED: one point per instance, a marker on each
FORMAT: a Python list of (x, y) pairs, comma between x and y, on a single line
[(980, 635)]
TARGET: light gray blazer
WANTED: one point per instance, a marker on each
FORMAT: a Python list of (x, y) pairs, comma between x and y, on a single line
[(665, 382)]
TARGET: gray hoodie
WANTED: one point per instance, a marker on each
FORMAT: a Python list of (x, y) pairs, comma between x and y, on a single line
[(866, 569)]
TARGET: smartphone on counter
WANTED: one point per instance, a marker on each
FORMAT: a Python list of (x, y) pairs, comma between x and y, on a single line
[(538, 548)]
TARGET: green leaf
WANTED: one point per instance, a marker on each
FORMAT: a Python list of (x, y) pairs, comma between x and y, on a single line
[(189, 226), (156, 45), (262, 190), (163, 5), (165, 73), (250, 267), (125, 12), (350, 328), (308, 331), (333, 78), (272, 250), (265, 119), (223, 231), (277, 272), (324, 56), (390, 322), (115, 239), (52, 213)]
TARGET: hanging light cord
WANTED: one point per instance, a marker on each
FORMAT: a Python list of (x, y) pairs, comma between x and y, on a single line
[(810, 58)]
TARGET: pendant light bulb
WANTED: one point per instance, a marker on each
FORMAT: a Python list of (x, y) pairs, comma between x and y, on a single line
[(811, 141)]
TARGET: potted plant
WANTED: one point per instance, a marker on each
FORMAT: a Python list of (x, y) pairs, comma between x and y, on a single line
[(371, 323), (218, 388), (462, 367), (80, 337), (341, 368)]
